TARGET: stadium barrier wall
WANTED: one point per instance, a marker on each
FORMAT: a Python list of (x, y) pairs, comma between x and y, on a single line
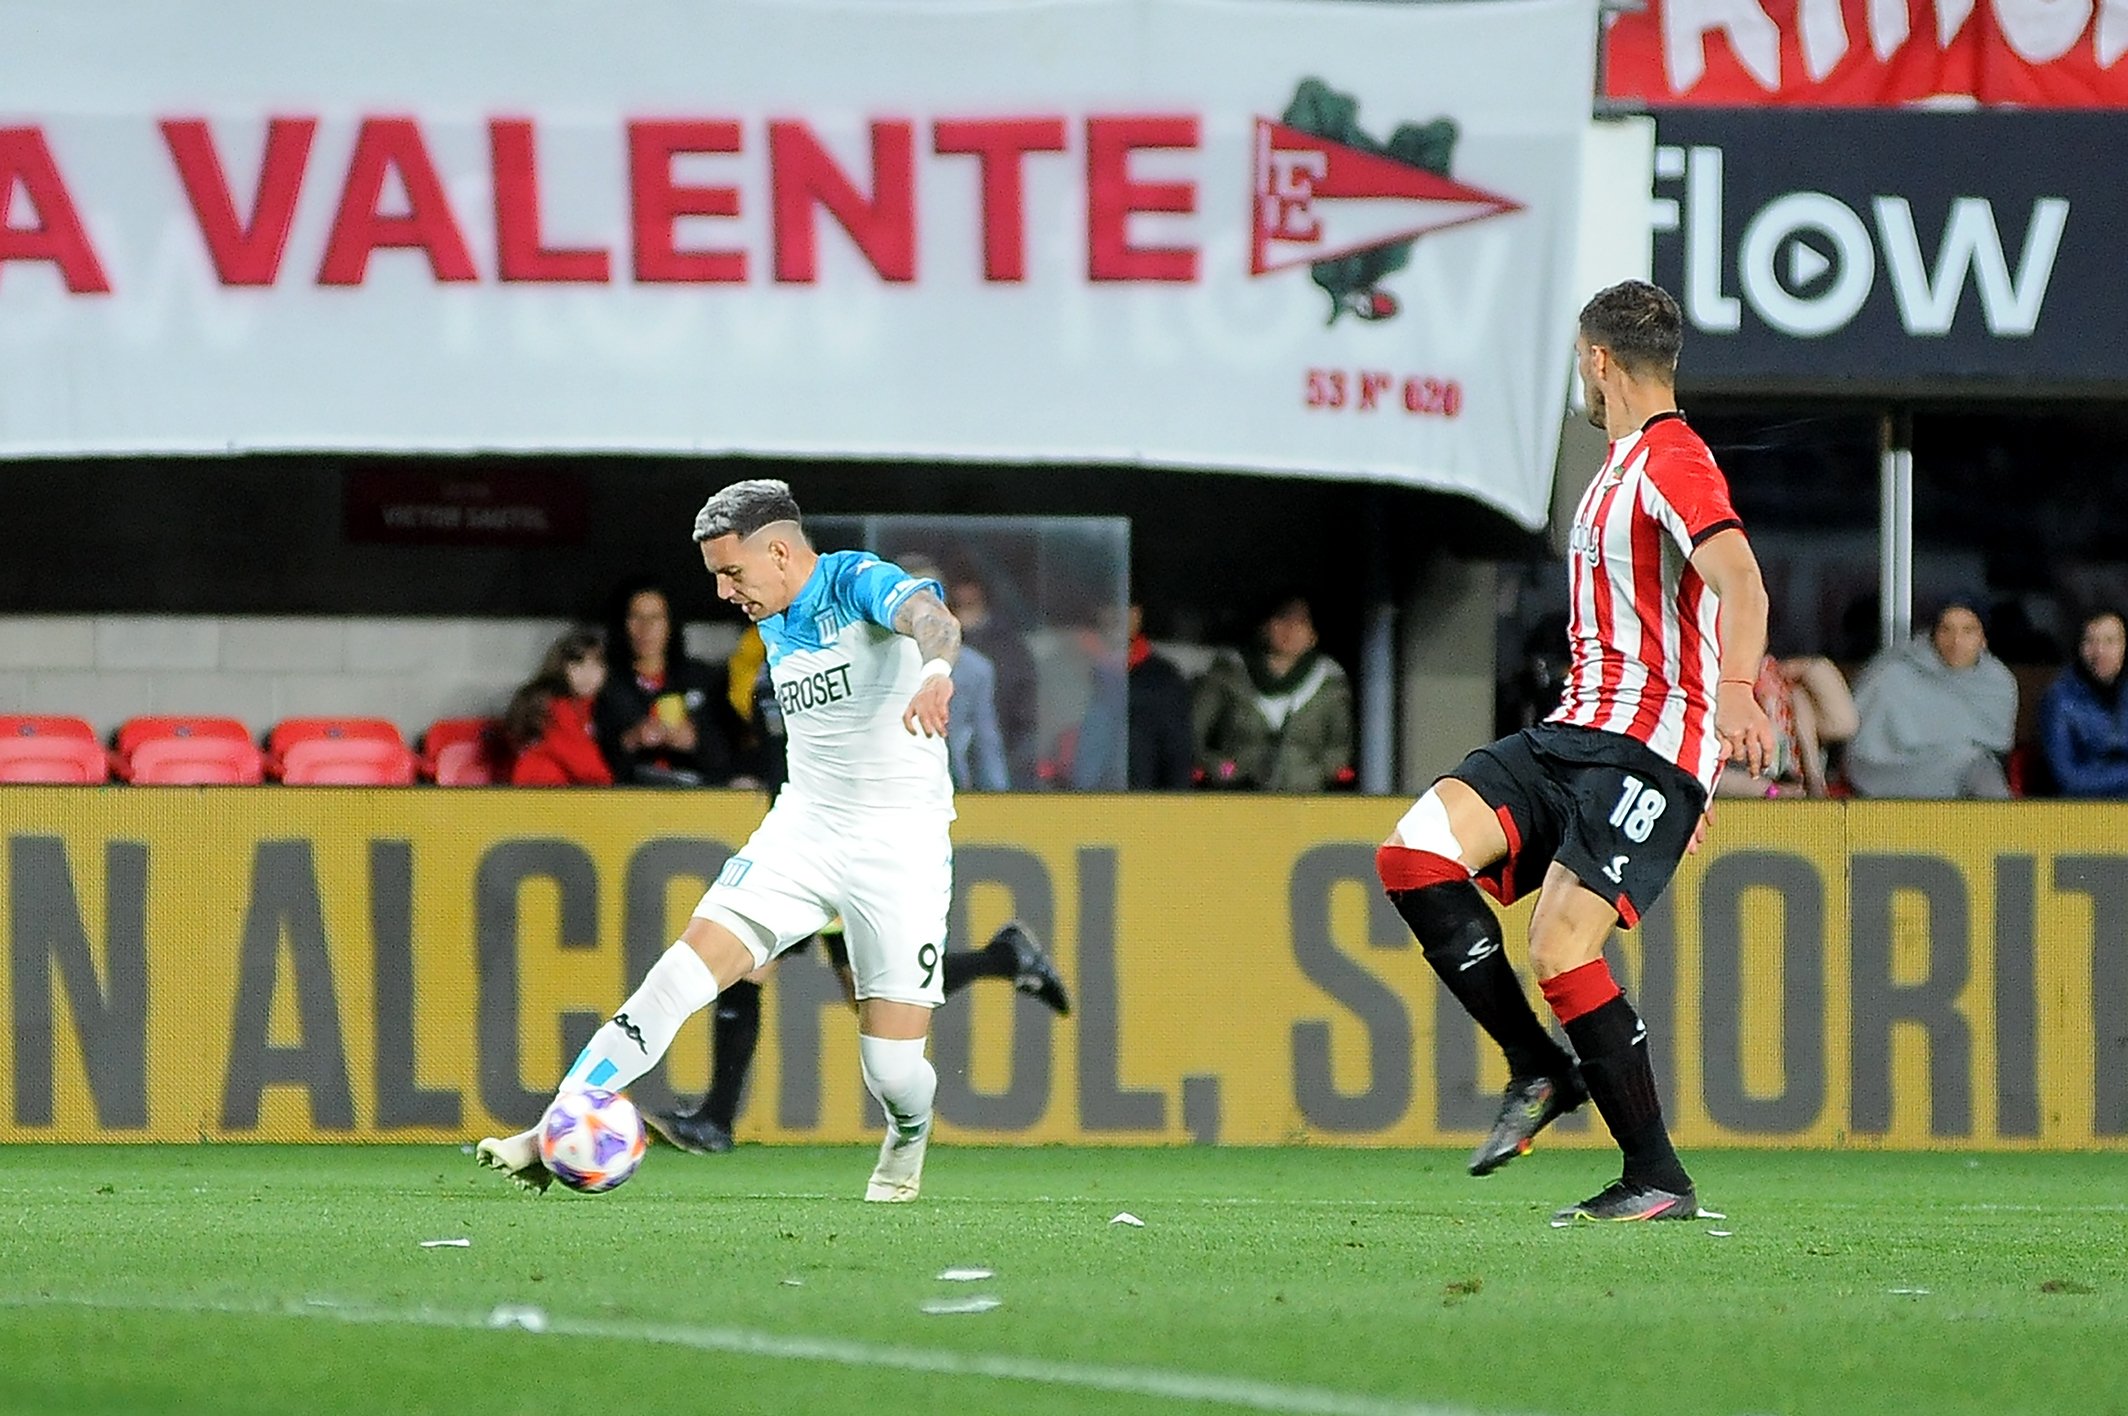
[(342, 965)]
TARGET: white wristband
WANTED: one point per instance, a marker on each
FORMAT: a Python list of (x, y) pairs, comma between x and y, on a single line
[(935, 668)]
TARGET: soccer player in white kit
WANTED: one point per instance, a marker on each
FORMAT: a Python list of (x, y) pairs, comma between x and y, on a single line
[(861, 657)]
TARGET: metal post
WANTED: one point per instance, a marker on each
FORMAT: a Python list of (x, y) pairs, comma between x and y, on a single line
[(1377, 697), (1377, 676), (1895, 532)]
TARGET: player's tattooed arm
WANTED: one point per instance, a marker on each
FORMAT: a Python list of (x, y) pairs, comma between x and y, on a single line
[(925, 619)]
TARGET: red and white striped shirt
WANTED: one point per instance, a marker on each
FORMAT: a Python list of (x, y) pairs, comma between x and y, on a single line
[(1644, 628)]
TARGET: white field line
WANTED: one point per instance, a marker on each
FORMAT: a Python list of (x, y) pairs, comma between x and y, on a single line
[(1301, 1203), (1417, 1205), (840, 1352)]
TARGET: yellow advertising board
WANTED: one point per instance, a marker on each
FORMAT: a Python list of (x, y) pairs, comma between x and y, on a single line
[(418, 965)]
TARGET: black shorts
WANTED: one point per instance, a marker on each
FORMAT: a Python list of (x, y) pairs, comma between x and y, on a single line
[(1603, 805)]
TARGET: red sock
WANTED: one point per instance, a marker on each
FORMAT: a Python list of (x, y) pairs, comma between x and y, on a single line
[(1581, 991), (1402, 868)]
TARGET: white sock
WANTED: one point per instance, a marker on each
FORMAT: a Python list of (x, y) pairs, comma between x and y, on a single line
[(903, 1080), (678, 986)]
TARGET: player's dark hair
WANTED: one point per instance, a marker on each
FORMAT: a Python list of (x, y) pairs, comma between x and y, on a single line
[(743, 508), (1640, 324)]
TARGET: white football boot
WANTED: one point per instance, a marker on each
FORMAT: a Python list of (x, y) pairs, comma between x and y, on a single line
[(518, 1157), (899, 1176)]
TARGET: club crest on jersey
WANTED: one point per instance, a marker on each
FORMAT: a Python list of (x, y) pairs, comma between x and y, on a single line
[(827, 624), (1332, 198)]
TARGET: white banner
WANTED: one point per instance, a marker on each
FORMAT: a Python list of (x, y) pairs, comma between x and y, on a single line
[(1321, 238)]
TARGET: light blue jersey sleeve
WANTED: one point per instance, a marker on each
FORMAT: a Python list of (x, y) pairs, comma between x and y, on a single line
[(868, 588)]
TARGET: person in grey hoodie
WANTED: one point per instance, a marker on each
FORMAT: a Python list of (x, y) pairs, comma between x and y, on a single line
[(1937, 716)]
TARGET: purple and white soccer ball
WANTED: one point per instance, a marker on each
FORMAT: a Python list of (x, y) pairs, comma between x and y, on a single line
[(592, 1140)]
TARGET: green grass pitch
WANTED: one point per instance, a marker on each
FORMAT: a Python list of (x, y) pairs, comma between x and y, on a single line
[(238, 1279)]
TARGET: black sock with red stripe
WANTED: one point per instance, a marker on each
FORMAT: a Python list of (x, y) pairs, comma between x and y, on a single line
[(1612, 1043), (1460, 937)]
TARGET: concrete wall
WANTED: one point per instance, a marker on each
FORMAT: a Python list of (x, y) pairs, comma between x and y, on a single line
[(260, 669)]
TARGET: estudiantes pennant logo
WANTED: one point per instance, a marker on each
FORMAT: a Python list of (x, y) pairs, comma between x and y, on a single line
[(1332, 198)]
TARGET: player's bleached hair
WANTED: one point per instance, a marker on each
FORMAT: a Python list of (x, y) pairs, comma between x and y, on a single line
[(1640, 324), (743, 508)]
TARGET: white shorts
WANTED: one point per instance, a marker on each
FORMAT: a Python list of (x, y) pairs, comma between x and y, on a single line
[(891, 885)]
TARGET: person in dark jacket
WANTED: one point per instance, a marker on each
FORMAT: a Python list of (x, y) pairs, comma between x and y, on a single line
[(1136, 732), (548, 722), (1162, 748), (2083, 720), (663, 718)]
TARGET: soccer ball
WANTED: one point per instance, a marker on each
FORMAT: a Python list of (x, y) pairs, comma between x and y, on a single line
[(592, 1140)]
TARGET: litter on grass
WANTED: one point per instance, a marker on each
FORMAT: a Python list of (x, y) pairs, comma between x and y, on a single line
[(515, 1315), (446, 1243), (1911, 1292), (1130, 1219), (1722, 1233), (979, 1303), (964, 1275)]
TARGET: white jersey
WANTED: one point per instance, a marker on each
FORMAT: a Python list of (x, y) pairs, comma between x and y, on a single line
[(843, 678)]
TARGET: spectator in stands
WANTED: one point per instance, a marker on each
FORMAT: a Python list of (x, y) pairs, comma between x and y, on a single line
[(663, 718), (747, 692), (1162, 750), (2083, 720), (1807, 701), (1277, 717), (1017, 693), (549, 724), (1936, 716), (1094, 756)]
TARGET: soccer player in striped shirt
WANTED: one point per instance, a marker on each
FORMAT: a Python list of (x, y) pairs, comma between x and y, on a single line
[(1595, 806)]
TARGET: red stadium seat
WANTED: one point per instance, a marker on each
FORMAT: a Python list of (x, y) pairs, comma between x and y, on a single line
[(465, 764), (53, 757), (196, 762), (2017, 770), (181, 728), (14, 725), (135, 731), (445, 731), (347, 762), (465, 752), (290, 731)]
